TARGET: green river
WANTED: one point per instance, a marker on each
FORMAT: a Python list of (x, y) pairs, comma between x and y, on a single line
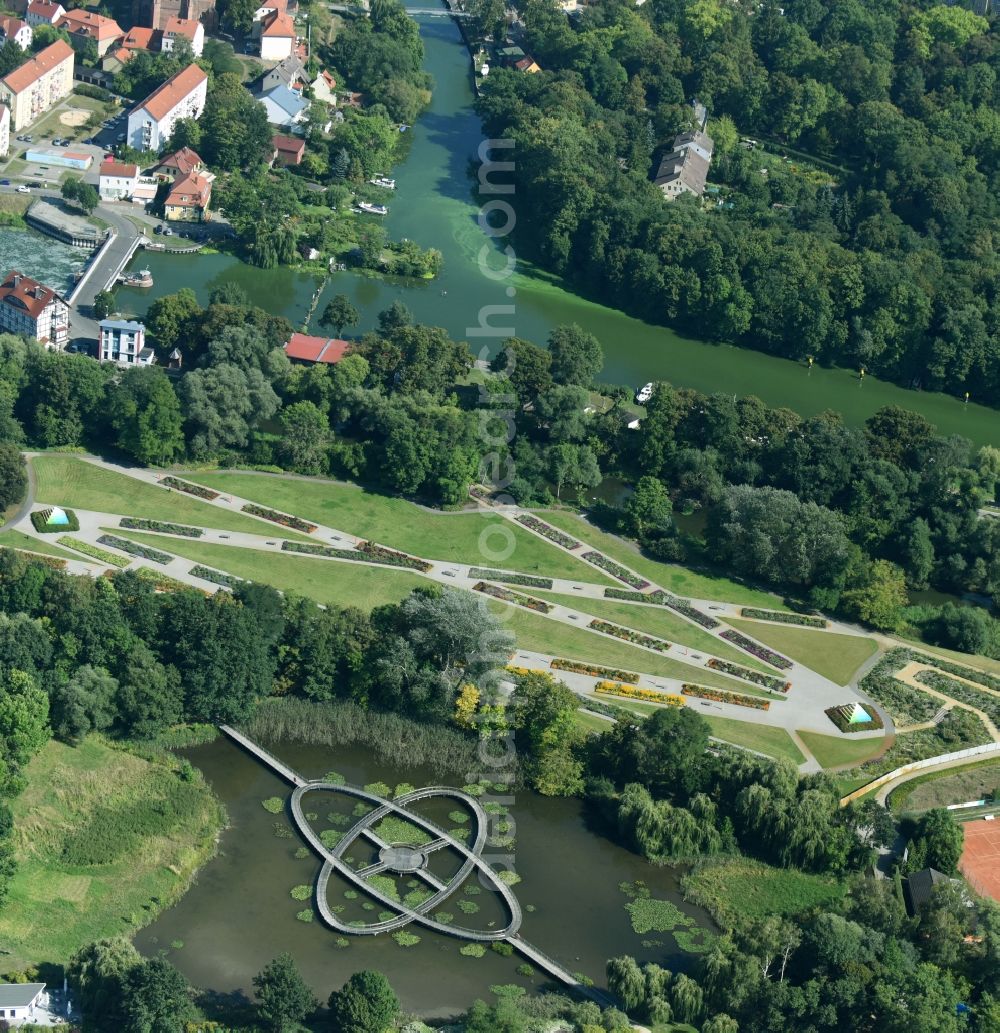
[(434, 205)]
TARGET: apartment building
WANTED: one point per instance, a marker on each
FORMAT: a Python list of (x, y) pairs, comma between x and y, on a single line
[(29, 91), (31, 309), (151, 123)]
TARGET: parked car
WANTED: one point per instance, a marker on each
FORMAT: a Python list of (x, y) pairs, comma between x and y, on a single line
[(167, 231), (4, 182), (22, 189), (157, 229), (120, 138)]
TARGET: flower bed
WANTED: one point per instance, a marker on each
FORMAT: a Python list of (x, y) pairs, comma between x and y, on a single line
[(136, 524), (689, 611), (134, 549), (391, 557), (769, 656), (548, 531), (365, 553), (969, 694), (49, 561), (481, 494), (613, 688), (778, 617), (511, 579), (163, 582), (629, 635), (629, 596), (191, 489), (512, 597), (101, 555), (217, 577), (757, 677), (522, 671), (40, 516), (615, 569), (609, 673), (309, 549), (721, 696), (294, 522), (837, 716)]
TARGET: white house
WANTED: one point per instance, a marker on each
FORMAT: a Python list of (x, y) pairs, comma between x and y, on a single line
[(31, 309), (124, 341), (181, 96), (22, 1002), (18, 31), (117, 180), (4, 130), (43, 12), (277, 36), (284, 107), (183, 28)]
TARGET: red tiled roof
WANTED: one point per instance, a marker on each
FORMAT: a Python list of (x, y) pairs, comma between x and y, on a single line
[(191, 191), (278, 24), (185, 160), (90, 24), (187, 27), (166, 97), (44, 61), (330, 81), (291, 144), (25, 294), (140, 38), (110, 167), (316, 349), (10, 27), (43, 9)]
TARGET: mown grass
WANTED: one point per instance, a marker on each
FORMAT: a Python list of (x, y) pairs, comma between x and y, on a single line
[(832, 655), (12, 539), (834, 750), (735, 889), (775, 742), (590, 724), (68, 481), (458, 537), (326, 581), (104, 840), (953, 785), (677, 579)]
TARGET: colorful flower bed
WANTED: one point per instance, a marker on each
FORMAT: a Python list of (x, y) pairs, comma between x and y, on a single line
[(101, 555), (511, 579), (163, 582), (615, 569), (842, 721), (609, 673), (391, 557), (49, 561), (613, 688), (512, 597), (757, 677), (629, 635), (136, 524), (769, 656), (294, 522), (481, 494), (778, 617), (191, 489), (217, 577), (365, 553), (548, 531), (689, 611), (721, 696), (629, 596), (134, 549), (525, 670), (40, 516)]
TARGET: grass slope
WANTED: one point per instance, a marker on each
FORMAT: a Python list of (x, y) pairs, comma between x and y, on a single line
[(403, 525), (834, 656), (677, 579), (775, 742), (833, 750), (54, 907), (68, 481), (12, 539), (954, 785), (328, 582), (654, 620)]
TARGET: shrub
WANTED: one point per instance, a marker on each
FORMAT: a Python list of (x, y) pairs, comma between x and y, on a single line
[(721, 696), (594, 671), (164, 582), (610, 688), (548, 531), (769, 681), (366, 552), (286, 520), (615, 569), (101, 555), (191, 489), (273, 804), (392, 557), (301, 892), (39, 517), (406, 939), (769, 656), (629, 596), (217, 577), (692, 613), (630, 636), (527, 580), (137, 524), (779, 617), (472, 950), (512, 597), (135, 549)]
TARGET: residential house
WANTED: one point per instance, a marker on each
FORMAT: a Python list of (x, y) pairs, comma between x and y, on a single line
[(183, 28), (29, 91), (156, 13), (324, 87), (284, 107), (86, 26), (271, 7), (124, 341), (4, 130), (137, 38), (291, 73), (919, 887), (685, 169), (277, 36), (117, 180), (180, 163), (189, 198), (528, 64), (22, 1002), (304, 348), (31, 309), (151, 123), (43, 12), (288, 150), (15, 29)]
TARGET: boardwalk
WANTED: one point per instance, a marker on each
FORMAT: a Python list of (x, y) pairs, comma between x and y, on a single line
[(261, 754)]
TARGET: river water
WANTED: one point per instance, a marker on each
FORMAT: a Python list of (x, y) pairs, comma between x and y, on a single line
[(434, 205), (239, 914), (40, 257)]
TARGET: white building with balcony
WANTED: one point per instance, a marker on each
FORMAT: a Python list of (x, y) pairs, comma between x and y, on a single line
[(124, 341), (151, 123), (31, 309)]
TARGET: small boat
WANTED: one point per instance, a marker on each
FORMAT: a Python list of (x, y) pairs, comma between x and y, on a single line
[(643, 395), (373, 209), (141, 278), (383, 181)]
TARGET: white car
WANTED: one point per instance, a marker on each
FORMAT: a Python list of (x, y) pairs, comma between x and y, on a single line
[(22, 189)]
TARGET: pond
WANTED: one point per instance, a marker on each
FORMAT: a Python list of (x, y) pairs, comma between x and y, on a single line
[(240, 914)]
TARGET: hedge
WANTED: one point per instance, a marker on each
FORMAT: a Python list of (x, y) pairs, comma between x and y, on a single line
[(628, 635), (527, 580), (285, 519), (611, 688), (133, 548), (594, 671), (721, 696), (512, 597), (39, 517), (217, 577), (548, 531), (769, 656), (778, 617), (392, 557), (769, 681), (164, 582), (138, 524), (687, 610), (101, 555), (615, 569), (836, 715), (191, 489), (630, 596), (365, 553)]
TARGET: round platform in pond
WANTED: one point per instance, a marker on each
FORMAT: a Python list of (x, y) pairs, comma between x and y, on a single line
[(402, 858)]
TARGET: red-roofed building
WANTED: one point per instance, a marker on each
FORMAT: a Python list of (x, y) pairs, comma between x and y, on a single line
[(324, 87), (180, 163), (183, 28), (38, 84), (15, 29), (277, 36), (43, 12), (181, 96), (189, 198), (118, 180), (84, 26), (288, 150), (303, 348), (31, 309)]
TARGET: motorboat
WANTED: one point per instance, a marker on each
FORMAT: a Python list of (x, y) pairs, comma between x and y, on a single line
[(373, 209), (643, 395)]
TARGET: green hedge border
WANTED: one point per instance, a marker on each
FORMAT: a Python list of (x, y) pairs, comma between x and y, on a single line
[(38, 522)]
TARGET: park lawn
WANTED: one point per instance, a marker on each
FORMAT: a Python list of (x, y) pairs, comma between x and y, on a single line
[(653, 620), (590, 723), (834, 656), (541, 635), (340, 583), (54, 907), (14, 539), (68, 481), (835, 750), (775, 742), (953, 785), (675, 578), (404, 525), (734, 889)]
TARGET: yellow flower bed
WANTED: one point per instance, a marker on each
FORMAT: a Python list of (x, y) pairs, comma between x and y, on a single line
[(613, 688), (526, 670)]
